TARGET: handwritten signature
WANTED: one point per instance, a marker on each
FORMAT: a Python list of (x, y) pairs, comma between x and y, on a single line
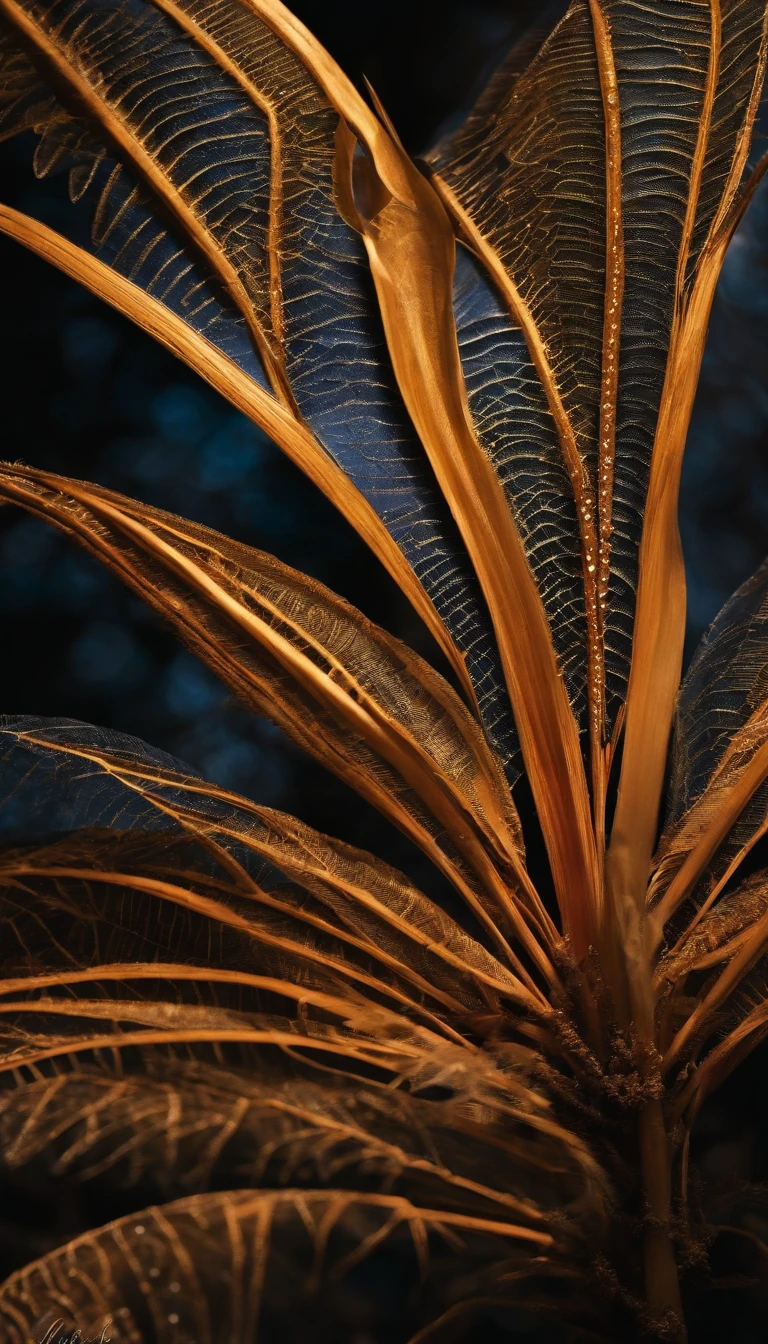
[(59, 1333)]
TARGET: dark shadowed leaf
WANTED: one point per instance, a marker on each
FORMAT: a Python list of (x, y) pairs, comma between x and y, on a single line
[(213, 1268), (357, 699), (718, 805), (251, 255), (281, 1011)]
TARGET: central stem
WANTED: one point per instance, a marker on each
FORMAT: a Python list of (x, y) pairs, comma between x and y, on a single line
[(662, 1284), (627, 954)]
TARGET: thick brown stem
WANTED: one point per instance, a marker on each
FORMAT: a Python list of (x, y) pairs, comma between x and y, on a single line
[(662, 1285), (629, 961)]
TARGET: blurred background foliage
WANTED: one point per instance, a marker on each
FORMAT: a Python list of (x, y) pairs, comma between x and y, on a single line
[(85, 393)]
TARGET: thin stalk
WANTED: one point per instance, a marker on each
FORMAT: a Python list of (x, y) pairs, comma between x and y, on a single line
[(662, 1284)]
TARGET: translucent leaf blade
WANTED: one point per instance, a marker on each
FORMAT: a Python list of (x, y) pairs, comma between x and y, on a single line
[(589, 183), (356, 699), (312, 316), (717, 798), (91, 781), (242, 1263)]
